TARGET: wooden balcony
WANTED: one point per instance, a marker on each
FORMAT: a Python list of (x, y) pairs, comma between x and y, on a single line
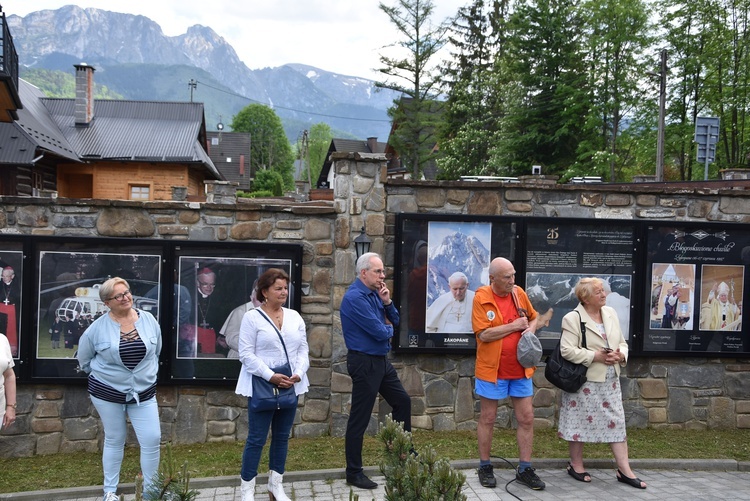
[(10, 102)]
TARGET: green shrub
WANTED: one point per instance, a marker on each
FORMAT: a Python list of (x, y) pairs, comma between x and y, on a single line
[(409, 477), (169, 484), (255, 194)]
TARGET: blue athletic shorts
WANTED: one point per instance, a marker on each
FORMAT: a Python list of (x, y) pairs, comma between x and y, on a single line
[(504, 387)]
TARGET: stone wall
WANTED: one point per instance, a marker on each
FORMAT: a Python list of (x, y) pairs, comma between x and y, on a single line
[(694, 393)]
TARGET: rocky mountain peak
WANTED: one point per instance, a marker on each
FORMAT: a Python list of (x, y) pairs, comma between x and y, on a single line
[(120, 44)]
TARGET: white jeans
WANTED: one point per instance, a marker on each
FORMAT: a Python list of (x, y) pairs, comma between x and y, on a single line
[(145, 420)]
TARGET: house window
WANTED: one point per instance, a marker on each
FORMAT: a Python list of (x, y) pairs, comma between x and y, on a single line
[(37, 183), (214, 141), (140, 192)]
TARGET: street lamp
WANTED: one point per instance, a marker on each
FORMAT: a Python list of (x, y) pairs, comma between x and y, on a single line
[(362, 243)]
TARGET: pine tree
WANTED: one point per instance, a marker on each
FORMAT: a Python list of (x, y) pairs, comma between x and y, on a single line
[(416, 114), (473, 106), (543, 79)]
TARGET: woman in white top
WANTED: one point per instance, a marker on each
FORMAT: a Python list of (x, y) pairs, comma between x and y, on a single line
[(260, 348), (7, 385), (594, 413)]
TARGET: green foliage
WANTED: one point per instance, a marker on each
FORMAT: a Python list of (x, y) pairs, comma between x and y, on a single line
[(269, 147), (318, 143), (170, 484), (410, 478), (255, 194), (473, 107), (413, 73), (216, 459), (55, 83), (268, 180)]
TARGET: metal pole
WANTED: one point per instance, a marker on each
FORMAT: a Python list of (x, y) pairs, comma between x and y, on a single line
[(662, 113), (708, 149)]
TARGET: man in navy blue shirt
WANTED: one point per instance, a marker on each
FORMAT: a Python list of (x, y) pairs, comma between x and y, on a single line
[(368, 319)]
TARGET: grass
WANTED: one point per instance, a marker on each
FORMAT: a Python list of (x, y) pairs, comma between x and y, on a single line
[(224, 458)]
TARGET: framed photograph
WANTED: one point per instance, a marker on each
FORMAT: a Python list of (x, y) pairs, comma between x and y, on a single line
[(69, 274), (695, 297), (212, 292), (722, 288), (559, 252), (442, 260), (11, 294)]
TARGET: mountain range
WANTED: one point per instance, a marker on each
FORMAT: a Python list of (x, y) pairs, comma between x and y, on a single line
[(134, 59)]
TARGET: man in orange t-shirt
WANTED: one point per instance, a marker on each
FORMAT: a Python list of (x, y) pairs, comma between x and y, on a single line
[(501, 313)]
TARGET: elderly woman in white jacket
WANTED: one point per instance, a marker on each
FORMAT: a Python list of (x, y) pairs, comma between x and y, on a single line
[(260, 349), (595, 413)]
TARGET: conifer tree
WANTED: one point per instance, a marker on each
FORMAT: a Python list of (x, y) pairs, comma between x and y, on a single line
[(473, 106), (412, 74)]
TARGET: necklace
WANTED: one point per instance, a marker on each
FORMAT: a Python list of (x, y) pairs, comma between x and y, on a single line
[(204, 312), (126, 321), (458, 309), (6, 289), (278, 316)]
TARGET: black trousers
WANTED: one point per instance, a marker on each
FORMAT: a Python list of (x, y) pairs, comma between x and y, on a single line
[(371, 375)]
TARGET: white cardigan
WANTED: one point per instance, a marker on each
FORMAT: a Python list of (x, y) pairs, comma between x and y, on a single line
[(261, 349)]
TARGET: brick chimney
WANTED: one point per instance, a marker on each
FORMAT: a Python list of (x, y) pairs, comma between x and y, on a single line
[(84, 107), (372, 143)]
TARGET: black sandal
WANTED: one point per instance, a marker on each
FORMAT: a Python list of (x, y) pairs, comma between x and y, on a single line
[(581, 477), (633, 482)]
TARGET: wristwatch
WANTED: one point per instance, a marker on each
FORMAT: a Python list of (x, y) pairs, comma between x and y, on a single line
[(12, 405)]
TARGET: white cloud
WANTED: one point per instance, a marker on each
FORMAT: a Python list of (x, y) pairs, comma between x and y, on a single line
[(343, 36)]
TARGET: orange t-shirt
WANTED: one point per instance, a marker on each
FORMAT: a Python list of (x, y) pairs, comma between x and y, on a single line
[(509, 367)]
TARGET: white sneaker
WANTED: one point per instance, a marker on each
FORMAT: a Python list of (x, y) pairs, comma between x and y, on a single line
[(111, 496)]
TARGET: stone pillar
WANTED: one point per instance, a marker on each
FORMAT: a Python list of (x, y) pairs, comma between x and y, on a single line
[(179, 193), (221, 192)]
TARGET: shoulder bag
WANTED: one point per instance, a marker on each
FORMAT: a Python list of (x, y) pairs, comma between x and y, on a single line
[(268, 396), (563, 373)]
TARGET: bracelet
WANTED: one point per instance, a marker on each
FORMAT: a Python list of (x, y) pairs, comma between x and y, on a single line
[(11, 405)]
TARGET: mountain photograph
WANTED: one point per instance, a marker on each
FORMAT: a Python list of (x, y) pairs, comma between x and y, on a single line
[(134, 60)]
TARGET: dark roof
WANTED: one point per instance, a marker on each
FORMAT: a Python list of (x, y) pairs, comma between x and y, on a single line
[(34, 132), (157, 131), (347, 146), (355, 146), (227, 153)]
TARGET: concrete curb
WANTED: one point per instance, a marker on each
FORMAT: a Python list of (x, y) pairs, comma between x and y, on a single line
[(338, 474)]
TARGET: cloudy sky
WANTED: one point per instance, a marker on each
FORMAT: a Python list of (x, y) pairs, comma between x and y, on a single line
[(343, 36)]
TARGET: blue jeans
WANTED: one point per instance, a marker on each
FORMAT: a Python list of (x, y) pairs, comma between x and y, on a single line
[(145, 421), (258, 423)]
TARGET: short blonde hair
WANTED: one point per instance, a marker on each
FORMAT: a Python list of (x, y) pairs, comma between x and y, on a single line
[(585, 288), (108, 287)]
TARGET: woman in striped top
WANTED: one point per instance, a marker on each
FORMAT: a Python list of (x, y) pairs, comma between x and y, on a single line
[(120, 354)]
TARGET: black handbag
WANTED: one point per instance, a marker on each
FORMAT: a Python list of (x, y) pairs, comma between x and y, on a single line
[(563, 373), (268, 396)]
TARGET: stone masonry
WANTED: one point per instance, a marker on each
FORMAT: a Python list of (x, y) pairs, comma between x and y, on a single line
[(691, 393)]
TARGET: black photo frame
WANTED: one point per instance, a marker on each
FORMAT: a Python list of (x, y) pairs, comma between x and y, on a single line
[(204, 330), (697, 274), (559, 252), (432, 249), (68, 273), (700, 263), (12, 288)]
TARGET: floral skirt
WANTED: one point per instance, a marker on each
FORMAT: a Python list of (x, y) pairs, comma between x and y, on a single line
[(594, 413)]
